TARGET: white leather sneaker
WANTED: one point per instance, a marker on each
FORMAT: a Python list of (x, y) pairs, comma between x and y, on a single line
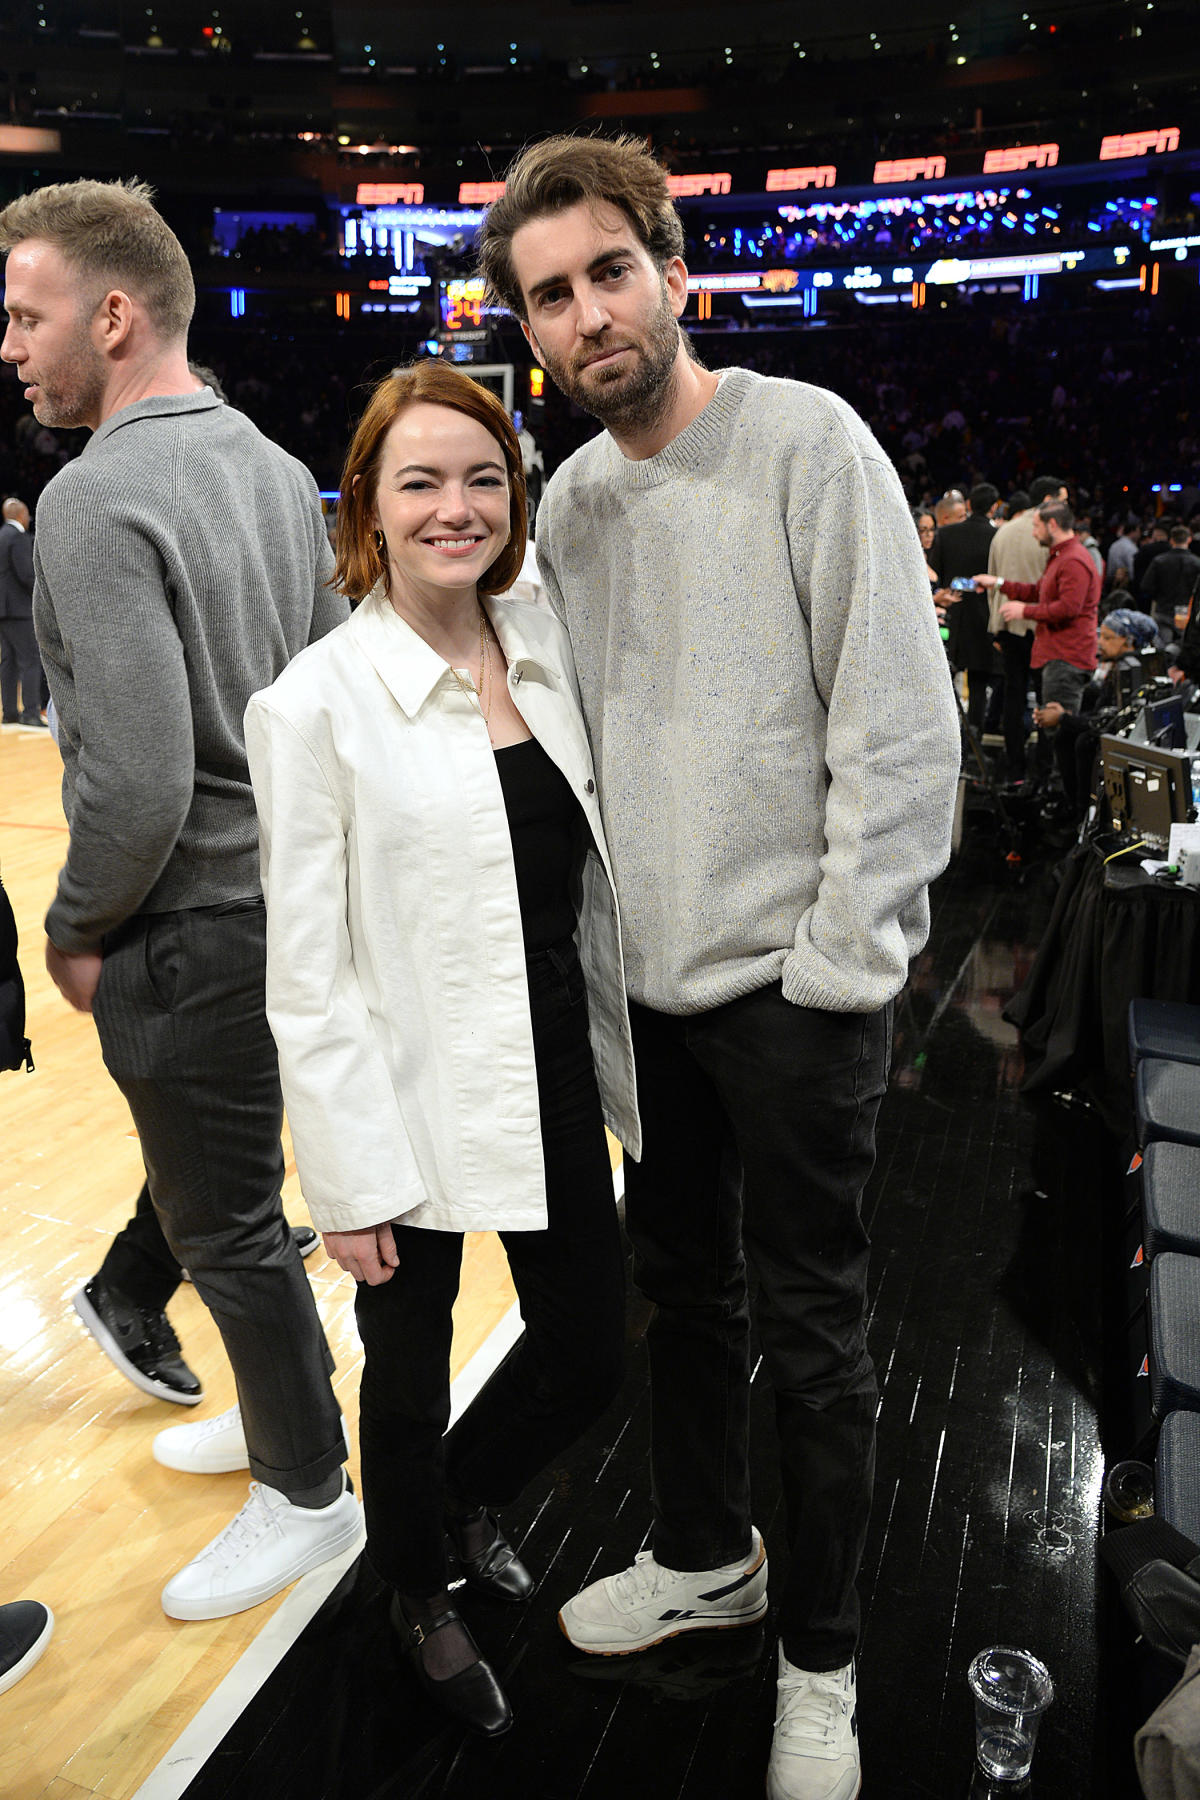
[(814, 1753), (209, 1447), (649, 1602), (268, 1545)]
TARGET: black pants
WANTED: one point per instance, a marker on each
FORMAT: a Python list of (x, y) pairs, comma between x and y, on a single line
[(1016, 648), (980, 684), (565, 1369), (181, 1015), (758, 1123), (1076, 742), (19, 661), (140, 1262)]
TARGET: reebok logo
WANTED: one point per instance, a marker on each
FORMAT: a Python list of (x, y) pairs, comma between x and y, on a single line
[(739, 1581)]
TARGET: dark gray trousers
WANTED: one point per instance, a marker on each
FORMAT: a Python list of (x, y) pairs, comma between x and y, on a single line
[(19, 661), (180, 1010)]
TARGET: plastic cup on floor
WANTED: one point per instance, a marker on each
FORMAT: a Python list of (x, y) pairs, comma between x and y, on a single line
[(1012, 1690), (1129, 1492)]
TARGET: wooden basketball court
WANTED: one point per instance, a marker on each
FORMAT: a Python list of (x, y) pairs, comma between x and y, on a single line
[(89, 1523)]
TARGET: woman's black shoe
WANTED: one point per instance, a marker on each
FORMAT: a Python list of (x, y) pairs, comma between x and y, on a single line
[(474, 1695), (496, 1569)]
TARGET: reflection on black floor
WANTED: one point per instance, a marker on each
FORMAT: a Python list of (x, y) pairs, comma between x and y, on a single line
[(987, 1280)]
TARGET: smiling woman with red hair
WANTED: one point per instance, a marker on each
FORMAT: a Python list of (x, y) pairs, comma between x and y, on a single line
[(440, 908)]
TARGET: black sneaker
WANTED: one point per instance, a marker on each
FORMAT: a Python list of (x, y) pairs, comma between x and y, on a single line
[(140, 1341), (26, 1627), (303, 1236), (305, 1239)]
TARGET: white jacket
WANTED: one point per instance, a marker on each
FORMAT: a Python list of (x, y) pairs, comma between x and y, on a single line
[(396, 984)]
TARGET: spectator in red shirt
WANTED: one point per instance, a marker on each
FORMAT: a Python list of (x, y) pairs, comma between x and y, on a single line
[(1063, 604)]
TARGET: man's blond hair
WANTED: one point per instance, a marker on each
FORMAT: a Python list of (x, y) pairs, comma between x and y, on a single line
[(111, 232)]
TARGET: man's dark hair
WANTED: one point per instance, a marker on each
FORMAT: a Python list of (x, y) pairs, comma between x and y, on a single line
[(1057, 512), (1045, 487), (982, 497), (557, 174), (1181, 535), (1018, 502)]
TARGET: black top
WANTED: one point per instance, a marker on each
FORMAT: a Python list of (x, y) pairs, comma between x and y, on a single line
[(547, 829)]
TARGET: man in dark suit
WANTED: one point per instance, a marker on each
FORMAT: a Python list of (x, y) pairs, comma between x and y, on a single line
[(19, 660), (957, 552)]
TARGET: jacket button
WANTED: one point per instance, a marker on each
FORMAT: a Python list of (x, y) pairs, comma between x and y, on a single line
[(516, 676), (589, 787)]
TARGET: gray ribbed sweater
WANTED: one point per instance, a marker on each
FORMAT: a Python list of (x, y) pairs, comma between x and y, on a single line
[(771, 713), (180, 564)]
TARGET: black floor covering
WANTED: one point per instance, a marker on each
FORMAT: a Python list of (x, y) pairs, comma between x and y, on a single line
[(989, 1281)]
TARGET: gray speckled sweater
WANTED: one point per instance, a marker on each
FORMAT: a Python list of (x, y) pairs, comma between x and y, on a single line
[(774, 728), (180, 564)]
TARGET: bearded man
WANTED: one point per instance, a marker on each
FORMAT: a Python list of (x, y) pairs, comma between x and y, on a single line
[(777, 748)]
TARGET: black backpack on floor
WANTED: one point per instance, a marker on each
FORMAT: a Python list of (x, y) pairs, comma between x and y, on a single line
[(14, 1045)]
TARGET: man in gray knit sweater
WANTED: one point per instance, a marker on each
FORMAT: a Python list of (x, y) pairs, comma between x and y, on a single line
[(777, 748), (180, 563)]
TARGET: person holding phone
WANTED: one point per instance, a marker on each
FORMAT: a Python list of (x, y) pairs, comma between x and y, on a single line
[(446, 987)]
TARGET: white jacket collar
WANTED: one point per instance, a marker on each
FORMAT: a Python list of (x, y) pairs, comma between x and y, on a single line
[(530, 637)]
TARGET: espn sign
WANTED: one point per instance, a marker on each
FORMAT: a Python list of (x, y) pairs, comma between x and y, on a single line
[(910, 168), (390, 193), (480, 193), (1020, 156), (691, 187), (1139, 143), (787, 181)]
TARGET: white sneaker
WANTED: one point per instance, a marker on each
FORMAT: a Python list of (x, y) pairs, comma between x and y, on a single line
[(209, 1447), (814, 1753), (647, 1603), (268, 1545)]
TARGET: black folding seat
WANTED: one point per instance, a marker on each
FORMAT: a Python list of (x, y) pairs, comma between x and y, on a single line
[(1174, 1333), (1177, 1473), (1171, 1198), (1167, 1101), (1169, 1028)]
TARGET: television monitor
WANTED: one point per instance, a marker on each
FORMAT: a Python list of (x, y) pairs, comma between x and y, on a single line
[(1148, 789), (1164, 723)]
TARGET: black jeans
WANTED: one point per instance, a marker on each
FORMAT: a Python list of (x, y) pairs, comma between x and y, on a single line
[(181, 1015), (758, 1123), (565, 1369)]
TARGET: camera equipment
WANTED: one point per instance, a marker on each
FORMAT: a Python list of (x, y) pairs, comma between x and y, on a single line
[(963, 584), (1137, 684)]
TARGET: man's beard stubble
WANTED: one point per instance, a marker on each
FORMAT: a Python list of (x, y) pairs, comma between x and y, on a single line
[(78, 374), (627, 400)]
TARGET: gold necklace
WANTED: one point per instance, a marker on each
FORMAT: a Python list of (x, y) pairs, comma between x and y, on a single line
[(468, 686)]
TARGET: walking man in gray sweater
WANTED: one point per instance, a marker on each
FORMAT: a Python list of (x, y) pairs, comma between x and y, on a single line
[(776, 742), (180, 563)]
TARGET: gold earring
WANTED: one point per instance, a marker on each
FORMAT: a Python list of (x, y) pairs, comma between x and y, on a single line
[(377, 540)]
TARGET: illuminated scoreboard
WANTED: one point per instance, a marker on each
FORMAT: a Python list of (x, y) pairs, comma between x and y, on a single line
[(465, 314)]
